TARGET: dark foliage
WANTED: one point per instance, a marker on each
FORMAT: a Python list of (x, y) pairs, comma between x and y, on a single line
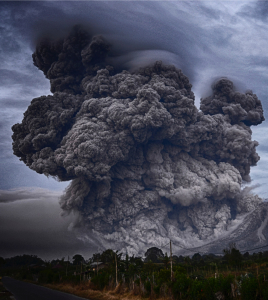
[(154, 255)]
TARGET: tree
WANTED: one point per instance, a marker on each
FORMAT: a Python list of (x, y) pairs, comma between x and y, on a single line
[(233, 255), (154, 255), (177, 259), (2, 261), (135, 265), (96, 257), (108, 256), (127, 262), (187, 260), (137, 261), (78, 259), (196, 257), (166, 260), (23, 260), (265, 254)]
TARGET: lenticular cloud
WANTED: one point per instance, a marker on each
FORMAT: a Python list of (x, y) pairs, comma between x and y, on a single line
[(146, 165)]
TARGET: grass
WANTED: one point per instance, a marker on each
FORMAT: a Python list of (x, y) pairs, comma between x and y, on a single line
[(85, 290), (4, 294)]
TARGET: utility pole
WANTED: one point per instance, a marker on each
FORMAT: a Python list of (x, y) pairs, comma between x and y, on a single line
[(67, 266), (116, 282), (81, 272), (97, 264), (171, 261)]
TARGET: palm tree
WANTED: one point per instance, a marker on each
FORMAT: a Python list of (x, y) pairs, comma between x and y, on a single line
[(113, 261)]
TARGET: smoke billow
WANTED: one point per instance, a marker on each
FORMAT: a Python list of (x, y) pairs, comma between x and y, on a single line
[(145, 163)]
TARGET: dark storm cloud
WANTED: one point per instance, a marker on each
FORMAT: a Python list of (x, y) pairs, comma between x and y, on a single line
[(2, 126), (239, 107), (205, 40), (8, 44), (258, 60), (24, 23), (19, 18), (126, 30), (209, 12), (135, 140), (257, 10), (222, 36)]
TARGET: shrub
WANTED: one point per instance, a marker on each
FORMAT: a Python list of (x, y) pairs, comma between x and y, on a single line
[(249, 288), (101, 280), (163, 277), (207, 288), (162, 281), (179, 269), (147, 286), (265, 292), (210, 287), (196, 290), (47, 276), (180, 285), (225, 285)]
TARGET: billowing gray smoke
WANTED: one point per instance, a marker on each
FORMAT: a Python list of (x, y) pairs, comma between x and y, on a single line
[(146, 165)]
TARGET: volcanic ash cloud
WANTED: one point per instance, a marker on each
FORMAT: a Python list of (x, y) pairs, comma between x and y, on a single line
[(145, 164)]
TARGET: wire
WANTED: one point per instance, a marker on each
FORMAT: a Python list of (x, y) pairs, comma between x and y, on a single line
[(191, 249), (221, 253), (165, 245), (252, 249)]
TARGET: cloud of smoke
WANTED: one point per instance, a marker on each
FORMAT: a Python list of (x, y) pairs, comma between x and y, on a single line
[(145, 164)]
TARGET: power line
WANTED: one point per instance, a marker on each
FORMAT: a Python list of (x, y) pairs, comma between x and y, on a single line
[(251, 249), (165, 245), (221, 253), (191, 249)]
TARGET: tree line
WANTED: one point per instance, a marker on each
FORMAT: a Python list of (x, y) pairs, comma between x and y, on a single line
[(232, 275)]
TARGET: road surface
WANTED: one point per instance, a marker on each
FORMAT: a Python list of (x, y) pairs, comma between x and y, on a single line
[(27, 291)]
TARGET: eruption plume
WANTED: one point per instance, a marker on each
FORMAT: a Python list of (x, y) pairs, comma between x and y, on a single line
[(146, 165)]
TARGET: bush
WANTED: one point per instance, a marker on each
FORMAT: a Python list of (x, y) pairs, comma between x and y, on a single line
[(47, 276), (197, 290), (207, 288), (162, 282), (265, 292), (147, 286), (101, 280), (179, 269), (211, 286), (163, 277), (180, 285), (249, 288), (225, 285)]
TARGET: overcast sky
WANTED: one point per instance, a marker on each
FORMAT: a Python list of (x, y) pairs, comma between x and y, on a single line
[(206, 39)]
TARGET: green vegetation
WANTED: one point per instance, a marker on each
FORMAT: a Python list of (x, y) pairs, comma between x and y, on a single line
[(4, 294), (230, 276)]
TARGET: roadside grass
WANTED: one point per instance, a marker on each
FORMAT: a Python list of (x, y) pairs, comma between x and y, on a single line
[(4, 294), (85, 290)]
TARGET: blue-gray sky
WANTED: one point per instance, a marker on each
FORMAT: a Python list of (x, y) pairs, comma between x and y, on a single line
[(206, 39)]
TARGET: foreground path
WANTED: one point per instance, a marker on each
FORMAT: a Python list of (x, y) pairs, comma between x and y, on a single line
[(27, 291)]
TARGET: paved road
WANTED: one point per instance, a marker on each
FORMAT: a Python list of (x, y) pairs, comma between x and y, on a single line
[(27, 291)]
